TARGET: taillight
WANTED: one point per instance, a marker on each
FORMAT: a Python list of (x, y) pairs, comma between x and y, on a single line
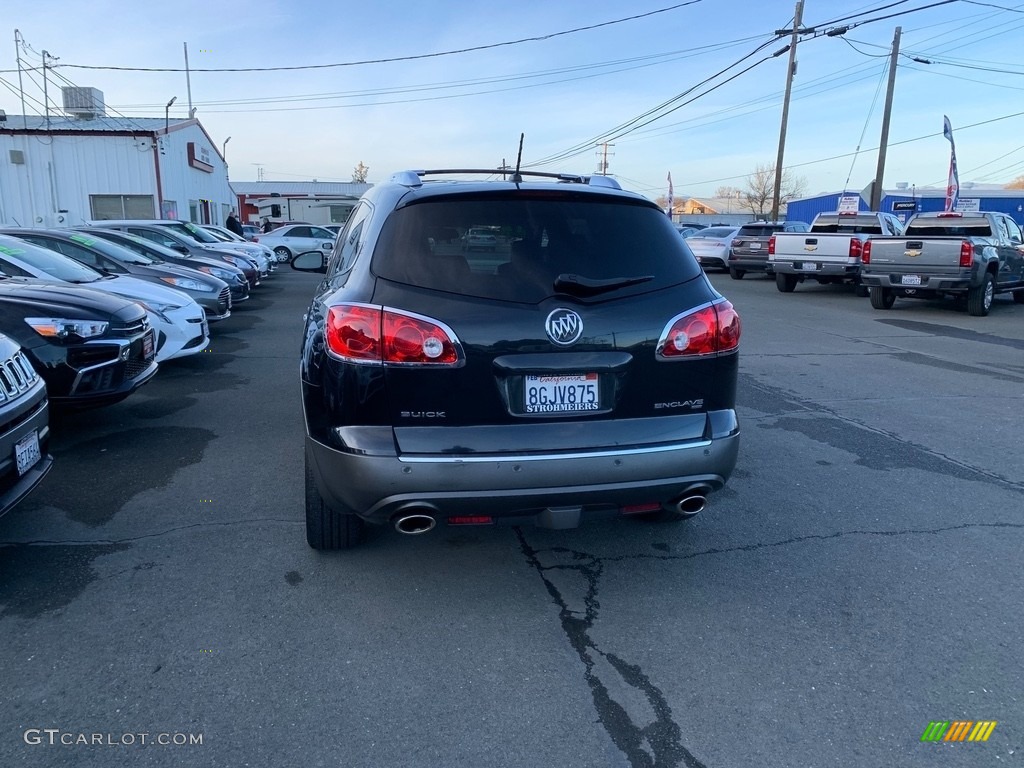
[(771, 245), (255, 238), (865, 254), (409, 339), (707, 331), (367, 334), (966, 254), (856, 248)]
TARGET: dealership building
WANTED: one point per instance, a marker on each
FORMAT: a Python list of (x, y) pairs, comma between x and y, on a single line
[(84, 165)]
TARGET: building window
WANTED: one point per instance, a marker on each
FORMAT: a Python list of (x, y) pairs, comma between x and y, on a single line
[(105, 207), (193, 211), (170, 209)]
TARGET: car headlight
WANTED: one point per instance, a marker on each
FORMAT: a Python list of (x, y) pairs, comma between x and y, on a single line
[(240, 262), (159, 309), (61, 328), (223, 274), (187, 284)]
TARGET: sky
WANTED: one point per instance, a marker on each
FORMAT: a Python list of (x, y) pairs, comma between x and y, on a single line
[(661, 82)]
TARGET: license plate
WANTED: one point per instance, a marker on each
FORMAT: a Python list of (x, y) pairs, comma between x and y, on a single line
[(147, 346), (755, 246), (27, 453), (808, 266), (206, 327), (561, 393), (910, 280)]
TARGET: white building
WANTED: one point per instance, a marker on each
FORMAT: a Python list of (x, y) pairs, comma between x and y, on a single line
[(63, 171)]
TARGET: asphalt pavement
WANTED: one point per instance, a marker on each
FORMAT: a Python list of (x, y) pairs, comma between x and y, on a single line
[(859, 577)]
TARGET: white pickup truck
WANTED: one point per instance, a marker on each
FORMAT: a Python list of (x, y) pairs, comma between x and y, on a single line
[(830, 252), (972, 255)]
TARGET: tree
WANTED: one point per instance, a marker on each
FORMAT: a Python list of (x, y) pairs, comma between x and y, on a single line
[(728, 193), (1017, 183), (761, 189), (359, 173)]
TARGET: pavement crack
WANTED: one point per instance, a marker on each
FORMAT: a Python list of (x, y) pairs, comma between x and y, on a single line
[(655, 745)]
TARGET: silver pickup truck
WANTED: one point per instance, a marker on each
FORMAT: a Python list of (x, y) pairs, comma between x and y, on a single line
[(830, 252), (972, 255)]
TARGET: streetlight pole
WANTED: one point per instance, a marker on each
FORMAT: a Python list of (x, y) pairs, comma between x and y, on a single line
[(224, 149), (167, 115)]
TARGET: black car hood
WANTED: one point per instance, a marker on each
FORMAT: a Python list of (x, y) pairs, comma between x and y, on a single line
[(61, 299)]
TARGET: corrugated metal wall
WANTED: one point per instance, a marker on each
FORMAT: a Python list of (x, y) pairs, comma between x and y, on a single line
[(806, 210)]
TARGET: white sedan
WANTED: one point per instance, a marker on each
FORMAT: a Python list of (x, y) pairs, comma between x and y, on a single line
[(711, 246), (292, 239)]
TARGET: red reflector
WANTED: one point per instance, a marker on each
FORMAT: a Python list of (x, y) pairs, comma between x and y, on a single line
[(471, 520), (635, 509)]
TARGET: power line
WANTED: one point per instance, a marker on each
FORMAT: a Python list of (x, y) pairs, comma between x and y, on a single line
[(414, 57)]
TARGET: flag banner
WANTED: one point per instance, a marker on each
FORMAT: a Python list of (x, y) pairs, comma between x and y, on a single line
[(953, 182), (671, 199)]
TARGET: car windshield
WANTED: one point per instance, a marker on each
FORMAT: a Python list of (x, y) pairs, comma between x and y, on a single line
[(219, 235), (538, 243), (114, 251), (191, 230), (155, 252), (54, 264)]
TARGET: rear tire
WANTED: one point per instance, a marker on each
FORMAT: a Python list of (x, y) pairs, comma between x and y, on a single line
[(785, 283), (1018, 296), (327, 528), (979, 299), (282, 253), (736, 274), (861, 291), (881, 298)]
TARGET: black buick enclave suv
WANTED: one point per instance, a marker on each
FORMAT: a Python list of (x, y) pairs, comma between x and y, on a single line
[(585, 365)]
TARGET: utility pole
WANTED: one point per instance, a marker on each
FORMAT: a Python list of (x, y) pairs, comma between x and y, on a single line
[(798, 15), (876, 186), (188, 83), (21, 88), (46, 97), (603, 170)]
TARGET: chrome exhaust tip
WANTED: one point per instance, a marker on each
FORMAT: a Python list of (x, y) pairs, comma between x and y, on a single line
[(688, 506), (415, 523)]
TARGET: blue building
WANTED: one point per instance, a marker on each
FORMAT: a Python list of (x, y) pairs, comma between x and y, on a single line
[(904, 202)]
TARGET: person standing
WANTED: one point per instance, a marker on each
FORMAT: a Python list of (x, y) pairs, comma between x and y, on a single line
[(267, 226), (234, 225)]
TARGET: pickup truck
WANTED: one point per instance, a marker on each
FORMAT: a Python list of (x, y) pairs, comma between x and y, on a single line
[(972, 255), (830, 252)]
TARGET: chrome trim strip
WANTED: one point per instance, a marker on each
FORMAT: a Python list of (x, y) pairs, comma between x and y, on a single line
[(512, 458)]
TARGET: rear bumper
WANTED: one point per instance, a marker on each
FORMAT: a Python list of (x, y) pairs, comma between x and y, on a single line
[(749, 262), (815, 269), (946, 283), (378, 486)]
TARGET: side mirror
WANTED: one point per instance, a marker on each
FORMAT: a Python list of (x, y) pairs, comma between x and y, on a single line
[(310, 261)]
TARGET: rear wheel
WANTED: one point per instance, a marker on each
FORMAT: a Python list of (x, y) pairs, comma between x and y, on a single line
[(736, 274), (979, 299), (785, 283), (882, 298), (327, 528), (282, 253), (1018, 296)]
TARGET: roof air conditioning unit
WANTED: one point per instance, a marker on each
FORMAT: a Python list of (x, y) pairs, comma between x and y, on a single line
[(83, 103)]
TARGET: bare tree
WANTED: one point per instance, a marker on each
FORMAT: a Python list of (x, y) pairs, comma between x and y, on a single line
[(761, 188), (728, 192), (359, 173)]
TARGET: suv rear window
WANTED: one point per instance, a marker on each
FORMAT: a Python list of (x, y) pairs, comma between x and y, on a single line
[(538, 235), (952, 227), (759, 230)]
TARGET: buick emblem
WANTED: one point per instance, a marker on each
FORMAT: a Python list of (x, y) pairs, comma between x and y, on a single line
[(564, 326)]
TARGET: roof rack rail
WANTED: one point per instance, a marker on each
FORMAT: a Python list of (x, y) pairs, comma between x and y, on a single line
[(413, 178)]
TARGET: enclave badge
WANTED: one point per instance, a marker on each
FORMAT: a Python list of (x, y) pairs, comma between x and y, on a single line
[(564, 326)]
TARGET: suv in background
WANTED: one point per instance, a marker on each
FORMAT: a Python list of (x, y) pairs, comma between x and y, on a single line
[(586, 366), (749, 250)]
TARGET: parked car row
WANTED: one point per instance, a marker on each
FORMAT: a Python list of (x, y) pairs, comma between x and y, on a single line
[(86, 318), (969, 256)]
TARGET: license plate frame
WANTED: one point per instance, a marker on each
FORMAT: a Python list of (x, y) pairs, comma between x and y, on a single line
[(910, 279), (27, 452), (147, 346), (755, 246), (559, 394), (808, 266)]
